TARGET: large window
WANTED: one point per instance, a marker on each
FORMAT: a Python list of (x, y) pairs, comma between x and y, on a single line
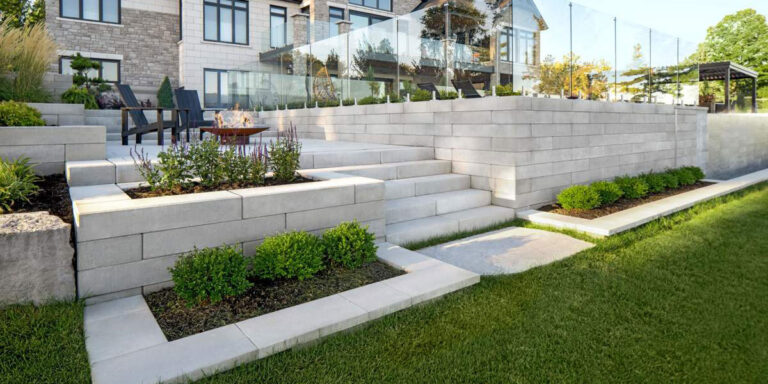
[(226, 21), (109, 71), (335, 15), (385, 5), (225, 89), (517, 45), (362, 20), (106, 11), (278, 26)]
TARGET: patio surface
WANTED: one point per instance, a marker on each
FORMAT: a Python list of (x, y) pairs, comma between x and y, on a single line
[(507, 251)]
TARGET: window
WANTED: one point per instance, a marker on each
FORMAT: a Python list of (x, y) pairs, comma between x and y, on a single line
[(362, 20), (224, 89), (385, 5), (517, 45), (336, 15), (226, 21), (278, 24), (106, 11), (109, 71)]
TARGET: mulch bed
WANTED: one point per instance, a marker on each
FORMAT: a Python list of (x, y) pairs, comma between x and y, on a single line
[(145, 192), (177, 320), (620, 205), (52, 197)]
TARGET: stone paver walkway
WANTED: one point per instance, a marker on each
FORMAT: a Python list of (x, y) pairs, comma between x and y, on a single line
[(507, 251)]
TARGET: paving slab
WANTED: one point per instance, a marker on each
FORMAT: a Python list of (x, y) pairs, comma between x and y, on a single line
[(507, 251)]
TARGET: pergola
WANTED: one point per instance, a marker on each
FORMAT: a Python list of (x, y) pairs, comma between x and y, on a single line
[(728, 71)]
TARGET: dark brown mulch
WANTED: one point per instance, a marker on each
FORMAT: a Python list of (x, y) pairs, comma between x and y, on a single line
[(145, 192), (52, 197), (620, 205), (177, 320)]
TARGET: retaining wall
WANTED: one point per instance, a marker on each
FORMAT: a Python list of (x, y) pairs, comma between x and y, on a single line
[(50, 147), (737, 144), (523, 149)]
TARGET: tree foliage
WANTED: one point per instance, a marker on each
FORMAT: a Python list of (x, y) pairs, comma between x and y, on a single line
[(22, 13), (589, 78)]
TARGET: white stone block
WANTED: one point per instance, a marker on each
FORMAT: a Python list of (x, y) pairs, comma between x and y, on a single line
[(330, 217), (85, 173), (107, 252), (111, 279), (266, 201), (429, 283), (114, 336), (377, 299)]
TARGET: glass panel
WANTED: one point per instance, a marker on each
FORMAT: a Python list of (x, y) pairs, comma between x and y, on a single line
[(540, 48), (91, 9), (66, 69), (241, 4), (109, 70), (211, 24), (369, 3), (385, 5), (224, 91), (633, 57), (358, 20), (93, 73), (358, 2), (110, 10), (277, 31), (211, 88), (664, 68), (689, 78), (70, 8), (226, 2), (241, 23), (225, 24), (594, 54)]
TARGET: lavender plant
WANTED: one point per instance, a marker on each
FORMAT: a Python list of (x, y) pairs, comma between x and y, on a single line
[(175, 167), (284, 155), (259, 163), (145, 167), (204, 156)]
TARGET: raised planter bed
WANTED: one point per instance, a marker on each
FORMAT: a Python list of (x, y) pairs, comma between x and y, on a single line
[(143, 192)]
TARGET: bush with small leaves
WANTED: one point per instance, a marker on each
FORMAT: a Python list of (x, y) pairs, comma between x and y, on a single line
[(210, 275), (684, 176), (13, 114), (632, 187), (670, 180), (370, 100), (656, 183), (506, 90), (17, 183), (346, 102), (204, 156), (609, 192), (175, 167), (421, 95), (697, 173), (289, 255), (349, 245), (77, 95), (448, 95), (284, 153), (579, 197)]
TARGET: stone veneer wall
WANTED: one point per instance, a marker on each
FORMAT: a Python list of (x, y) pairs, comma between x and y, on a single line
[(737, 144), (523, 149)]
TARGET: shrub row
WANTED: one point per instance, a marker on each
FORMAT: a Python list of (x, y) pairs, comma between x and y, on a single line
[(212, 274), (604, 193)]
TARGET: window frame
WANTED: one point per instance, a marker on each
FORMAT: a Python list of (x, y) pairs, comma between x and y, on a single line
[(217, 4), (370, 17), (362, 4), (331, 18), (101, 67), (101, 13), (284, 15)]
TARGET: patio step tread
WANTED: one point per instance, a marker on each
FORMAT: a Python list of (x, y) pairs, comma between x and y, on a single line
[(395, 171), (410, 208), (425, 185), (429, 227)]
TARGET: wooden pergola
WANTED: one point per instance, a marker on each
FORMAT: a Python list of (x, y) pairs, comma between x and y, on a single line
[(727, 71)]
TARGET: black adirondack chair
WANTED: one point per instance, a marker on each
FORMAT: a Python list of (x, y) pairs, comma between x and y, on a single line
[(467, 90), (431, 88), (187, 99), (142, 125)]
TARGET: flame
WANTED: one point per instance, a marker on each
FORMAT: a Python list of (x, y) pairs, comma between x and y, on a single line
[(236, 118)]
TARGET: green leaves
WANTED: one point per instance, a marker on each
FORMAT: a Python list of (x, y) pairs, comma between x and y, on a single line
[(349, 245), (14, 114), (210, 275), (579, 197), (289, 255), (165, 94), (17, 183)]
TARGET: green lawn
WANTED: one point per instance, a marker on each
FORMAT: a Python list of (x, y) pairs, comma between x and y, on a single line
[(684, 299)]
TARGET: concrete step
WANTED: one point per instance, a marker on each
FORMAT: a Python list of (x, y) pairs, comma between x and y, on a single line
[(430, 227), (394, 171), (417, 186), (417, 207)]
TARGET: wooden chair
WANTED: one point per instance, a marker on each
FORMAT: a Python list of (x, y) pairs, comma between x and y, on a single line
[(468, 91), (188, 99), (142, 125)]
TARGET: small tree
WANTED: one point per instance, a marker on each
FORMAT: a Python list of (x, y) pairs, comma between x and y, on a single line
[(165, 95), (82, 65)]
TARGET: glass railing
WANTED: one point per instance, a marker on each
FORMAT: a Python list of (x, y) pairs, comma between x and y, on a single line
[(545, 48)]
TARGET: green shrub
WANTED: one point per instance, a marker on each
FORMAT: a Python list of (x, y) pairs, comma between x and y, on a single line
[(13, 114), (632, 187), (204, 158), (175, 167), (17, 183), (272, 107), (656, 183), (346, 102), (670, 180), (210, 275), (684, 176), (326, 103), (697, 173), (289, 255), (579, 197), (296, 105), (395, 98), (76, 95), (165, 94), (284, 153), (609, 192), (448, 95), (506, 90), (349, 245), (421, 95), (370, 100)]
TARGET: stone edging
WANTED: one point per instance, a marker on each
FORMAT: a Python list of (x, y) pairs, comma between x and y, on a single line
[(637, 216), (125, 344)]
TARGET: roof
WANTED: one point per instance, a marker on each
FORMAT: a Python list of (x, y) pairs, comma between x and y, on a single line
[(718, 71)]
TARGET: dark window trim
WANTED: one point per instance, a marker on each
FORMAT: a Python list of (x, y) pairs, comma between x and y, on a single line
[(101, 13), (370, 16), (218, 5), (362, 4), (284, 15), (514, 38), (218, 88), (101, 68), (332, 17), (181, 20)]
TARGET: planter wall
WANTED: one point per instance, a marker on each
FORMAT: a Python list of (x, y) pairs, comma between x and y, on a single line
[(51, 147), (125, 246), (523, 149), (737, 144), (35, 259)]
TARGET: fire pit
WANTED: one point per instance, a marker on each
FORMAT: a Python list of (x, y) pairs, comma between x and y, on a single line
[(236, 130)]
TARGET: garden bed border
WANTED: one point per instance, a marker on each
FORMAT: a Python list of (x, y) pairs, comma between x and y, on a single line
[(125, 343), (634, 217)]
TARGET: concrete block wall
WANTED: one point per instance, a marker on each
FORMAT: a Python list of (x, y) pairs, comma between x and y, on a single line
[(50, 147), (126, 246), (525, 150), (61, 114), (737, 144)]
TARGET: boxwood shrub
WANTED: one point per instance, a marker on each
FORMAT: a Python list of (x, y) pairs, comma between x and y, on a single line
[(609, 192), (349, 245), (421, 95), (13, 114), (685, 176), (697, 173), (210, 275), (656, 183), (632, 187), (289, 255), (670, 180), (579, 197)]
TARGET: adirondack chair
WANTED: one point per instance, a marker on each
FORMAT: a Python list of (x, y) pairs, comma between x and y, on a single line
[(467, 90), (429, 87), (187, 99), (142, 125)]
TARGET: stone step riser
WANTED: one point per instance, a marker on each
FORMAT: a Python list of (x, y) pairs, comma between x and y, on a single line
[(431, 227), (398, 189), (412, 208)]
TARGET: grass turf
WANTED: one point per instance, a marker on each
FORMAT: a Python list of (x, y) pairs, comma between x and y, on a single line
[(43, 344), (683, 299)]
